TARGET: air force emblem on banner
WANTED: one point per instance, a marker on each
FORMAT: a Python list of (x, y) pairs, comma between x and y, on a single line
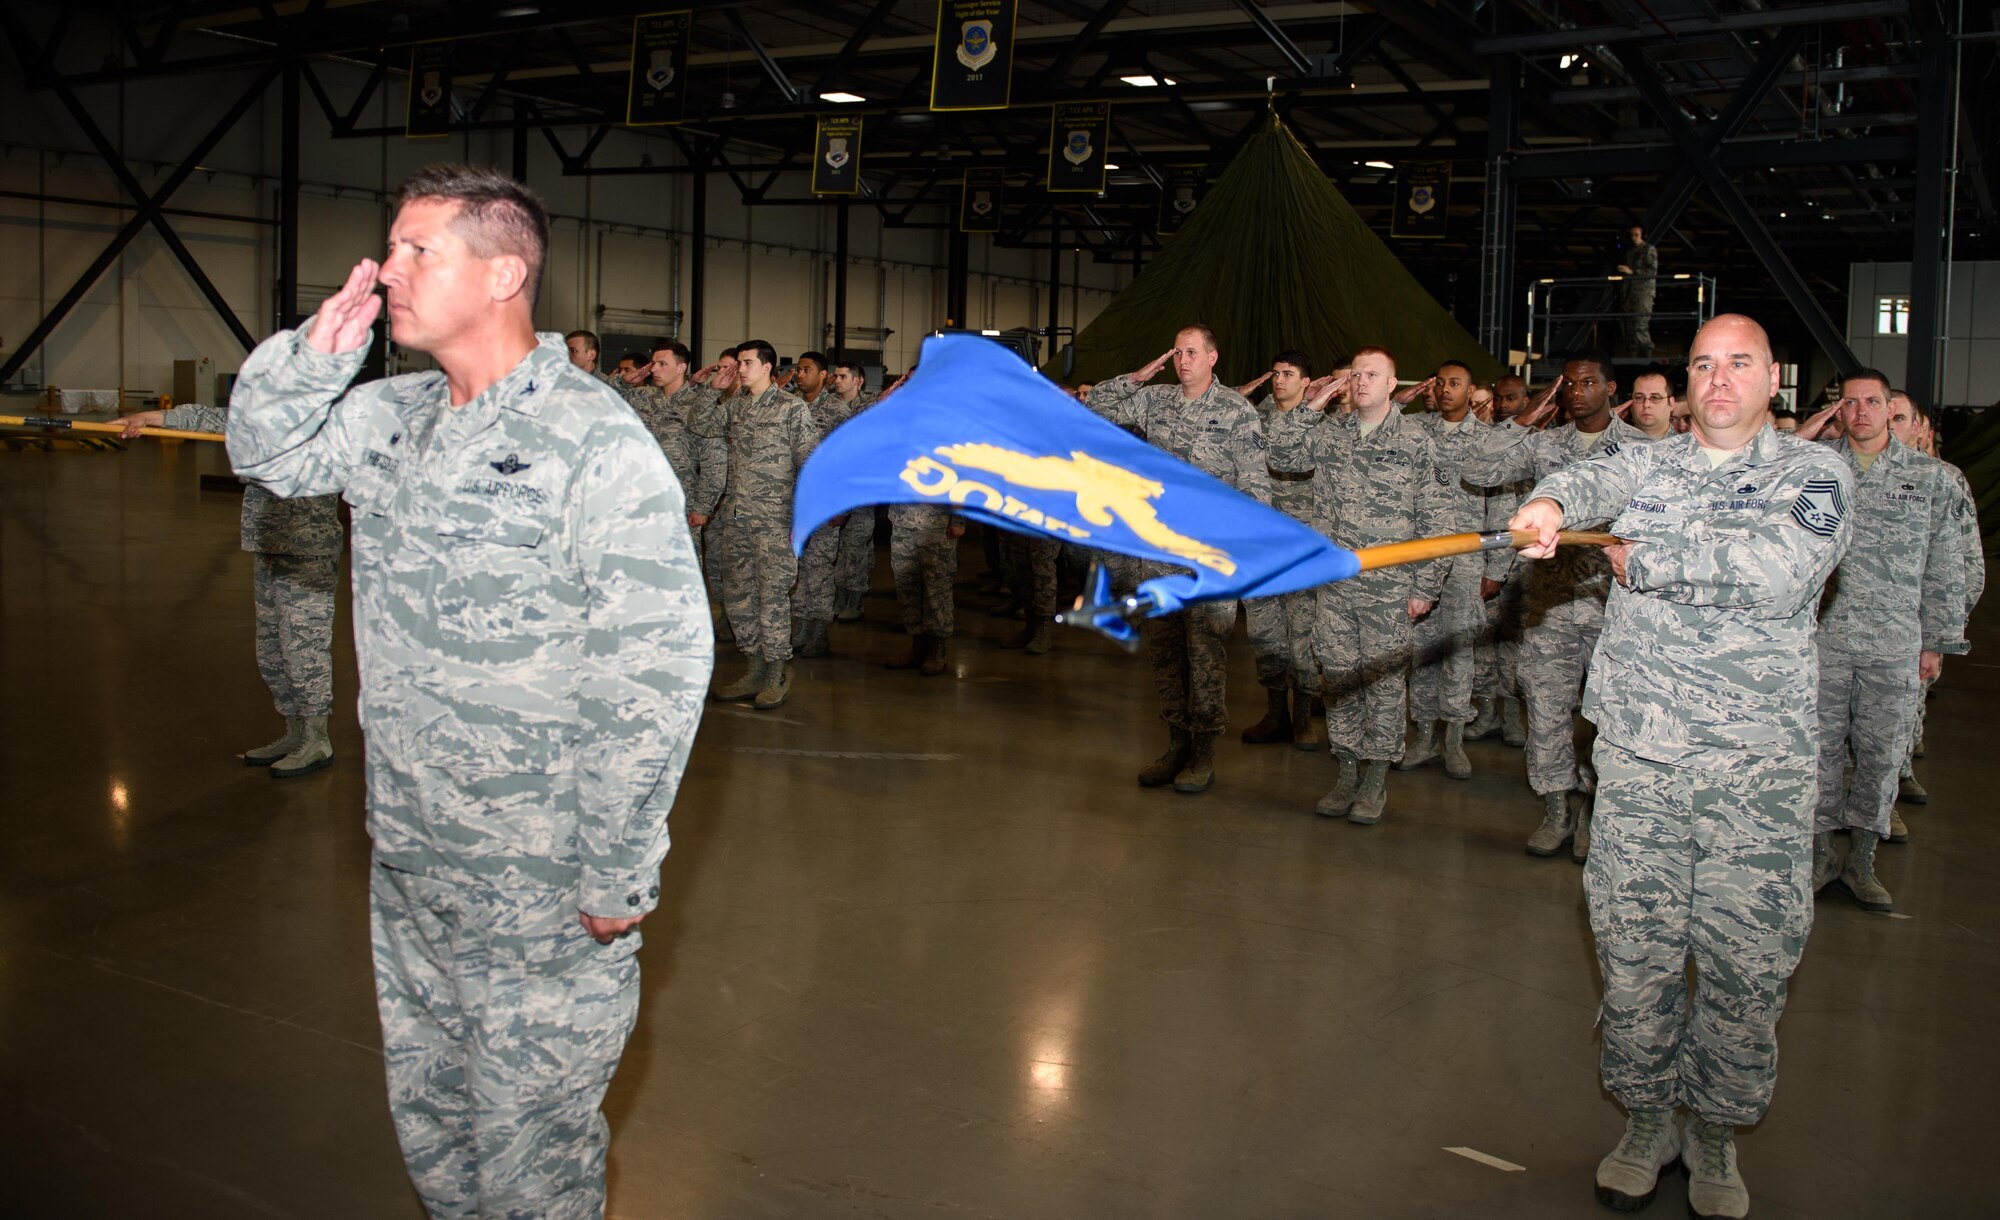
[(1820, 507), (1101, 494), (1422, 199), (975, 44), (836, 151), (982, 202), (661, 73), (1077, 149), (432, 90)]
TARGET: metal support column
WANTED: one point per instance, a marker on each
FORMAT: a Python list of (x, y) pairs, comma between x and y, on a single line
[(1499, 215), (1937, 87), (840, 282), (957, 269), (1055, 283), (698, 259), (288, 199)]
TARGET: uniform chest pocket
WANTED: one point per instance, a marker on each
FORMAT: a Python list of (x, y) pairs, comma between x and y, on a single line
[(491, 594)]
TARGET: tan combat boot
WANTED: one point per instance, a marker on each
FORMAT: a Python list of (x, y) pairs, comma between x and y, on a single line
[(937, 655), (1826, 860), (1486, 723), (1340, 798), (745, 687), (1277, 722), (1715, 1184), (1858, 877), (1162, 770), (1456, 764), (1627, 1179), (1579, 846), (265, 755), (1372, 797), (1513, 722), (777, 686), (1423, 747), (1304, 736), (1038, 636), (1199, 771), (313, 752), (1557, 826)]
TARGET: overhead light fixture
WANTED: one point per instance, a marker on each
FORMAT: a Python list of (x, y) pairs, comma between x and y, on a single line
[(991, 334), (1784, 215), (1378, 165), (519, 10), (1565, 61), (841, 97), (1141, 80), (1109, 165)]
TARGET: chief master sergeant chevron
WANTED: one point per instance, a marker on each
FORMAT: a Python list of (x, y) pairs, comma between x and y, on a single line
[(1703, 693), (534, 644)]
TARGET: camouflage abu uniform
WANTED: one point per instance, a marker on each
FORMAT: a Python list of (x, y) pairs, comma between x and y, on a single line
[(1500, 657), (1565, 593), (1702, 693), (1636, 298), (923, 559), (1218, 433), (701, 463), (1965, 514), (534, 649), (814, 598), (295, 549), (1899, 591), (770, 437), (1281, 628), (854, 567), (1445, 667), (1367, 490)]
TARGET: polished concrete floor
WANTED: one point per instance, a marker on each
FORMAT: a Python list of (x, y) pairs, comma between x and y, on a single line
[(927, 951)]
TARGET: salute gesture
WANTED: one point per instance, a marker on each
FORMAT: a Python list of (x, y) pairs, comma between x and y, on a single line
[(1320, 393), (1482, 407), (703, 376), (1405, 397), (1152, 370), (1542, 408), (342, 323), (638, 376), (892, 387), (1250, 388), (1623, 410), (725, 379), (1811, 429)]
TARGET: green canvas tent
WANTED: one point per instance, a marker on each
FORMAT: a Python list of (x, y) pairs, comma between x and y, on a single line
[(1275, 258)]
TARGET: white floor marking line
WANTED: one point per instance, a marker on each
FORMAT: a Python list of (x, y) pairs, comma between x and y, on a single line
[(866, 755), (1473, 1154)]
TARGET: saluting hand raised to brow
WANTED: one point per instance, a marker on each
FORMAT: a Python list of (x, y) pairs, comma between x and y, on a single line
[(1152, 370), (702, 378), (1320, 392), (1407, 396), (1543, 407), (638, 376), (1250, 388), (725, 380), (342, 323), (1482, 404), (1820, 419), (1623, 410)]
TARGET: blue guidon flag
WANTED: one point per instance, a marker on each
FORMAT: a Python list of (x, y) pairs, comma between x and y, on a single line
[(978, 431)]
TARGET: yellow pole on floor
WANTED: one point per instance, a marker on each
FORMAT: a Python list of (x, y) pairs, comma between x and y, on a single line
[(1417, 550), (77, 425)]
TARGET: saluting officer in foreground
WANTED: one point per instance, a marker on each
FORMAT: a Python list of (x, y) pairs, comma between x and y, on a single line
[(1702, 692), (534, 644)]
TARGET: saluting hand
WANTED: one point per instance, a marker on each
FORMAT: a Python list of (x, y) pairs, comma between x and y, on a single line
[(1251, 388), (1152, 370), (1543, 407), (1482, 404), (638, 376), (1811, 429), (892, 387), (1405, 397), (342, 323), (702, 378), (1623, 410)]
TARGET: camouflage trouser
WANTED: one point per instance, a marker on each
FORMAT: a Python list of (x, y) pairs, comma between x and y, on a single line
[(1556, 658), (1189, 652), (855, 565), (1917, 733), (1713, 864), (1500, 656), (1638, 329), (1447, 640), (1030, 567), (713, 536), (294, 595), (924, 561), (1281, 631), (1363, 646), (814, 597), (758, 567), (502, 1023), (1874, 708)]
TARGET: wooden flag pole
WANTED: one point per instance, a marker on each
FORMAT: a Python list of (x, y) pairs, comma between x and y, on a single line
[(76, 425), (1445, 545)]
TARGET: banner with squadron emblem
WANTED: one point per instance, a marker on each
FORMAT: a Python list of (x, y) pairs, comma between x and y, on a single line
[(1078, 132), (980, 201), (1185, 186), (1423, 196), (429, 114), (972, 66), (657, 92), (837, 156)]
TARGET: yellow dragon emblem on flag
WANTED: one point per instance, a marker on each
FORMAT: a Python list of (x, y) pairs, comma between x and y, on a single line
[(1103, 492)]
